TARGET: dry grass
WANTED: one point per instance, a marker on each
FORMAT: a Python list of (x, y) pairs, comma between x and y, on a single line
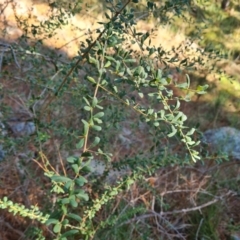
[(172, 198)]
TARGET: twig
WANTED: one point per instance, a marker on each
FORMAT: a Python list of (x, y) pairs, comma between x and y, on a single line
[(5, 49), (196, 208), (179, 235), (152, 213), (12, 228), (81, 58)]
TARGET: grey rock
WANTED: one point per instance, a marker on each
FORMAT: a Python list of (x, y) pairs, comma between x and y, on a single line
[(235, 236), (97, 167), (223, 140), (21, 128), (2, 153), (3, 131)]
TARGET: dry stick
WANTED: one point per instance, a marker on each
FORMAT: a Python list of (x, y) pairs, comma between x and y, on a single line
[(6, 47), (12, 228), (83, 57), (179, 235), (186, 191), (152, 213), (194, 208)]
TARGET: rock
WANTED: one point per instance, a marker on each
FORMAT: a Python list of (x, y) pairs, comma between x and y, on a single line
[(21, 128), (235, 236), (2, 153), (97, 167), (223, 140)]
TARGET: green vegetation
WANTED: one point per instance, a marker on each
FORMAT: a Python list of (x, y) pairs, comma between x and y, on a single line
[(119, 104)]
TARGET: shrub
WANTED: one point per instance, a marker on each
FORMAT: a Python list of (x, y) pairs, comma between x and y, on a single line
[(101, 96)]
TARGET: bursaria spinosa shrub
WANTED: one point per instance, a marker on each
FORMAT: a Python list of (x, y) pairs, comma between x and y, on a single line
[(118, 77)]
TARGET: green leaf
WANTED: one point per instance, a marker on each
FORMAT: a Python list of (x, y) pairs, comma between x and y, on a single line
[(181, 117), (73, 202), (75, 168), (99, 121), (97, 128), (65, 200), (74, 216), (108, 64), (140, 94), (80, 181), (64, 209), (98, 45), (51, 221), (96, 141), (87, 108), (144, 37), (182, 85), (159, 74), (129, 182), (86, 126), (110, 58), (68, 184), (188, 80), (99, 107), (202, 89), (94, 102), (115, 89), (177, 105), (128, 70), (150, 111), (104, 82), (150, 5), (5, 199), (113, 192), (62, 179), (92, 60), (99, 115), (174, 131), (82, 195), (191, 143), (69, 233), (130, 60), (86, 154), (87, 102), (71, 159), (57, 228), (183, 62), (57, 189), (80, 144), (90, 79), (191, 131)]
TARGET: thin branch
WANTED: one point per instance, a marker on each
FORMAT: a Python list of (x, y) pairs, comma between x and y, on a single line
[(84, 55), (12, 228), (152, 213), (196, 208), (5, 49)]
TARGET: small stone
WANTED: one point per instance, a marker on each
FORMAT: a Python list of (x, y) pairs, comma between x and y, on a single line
[(20, 128), (2, 153), (223, 140)]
